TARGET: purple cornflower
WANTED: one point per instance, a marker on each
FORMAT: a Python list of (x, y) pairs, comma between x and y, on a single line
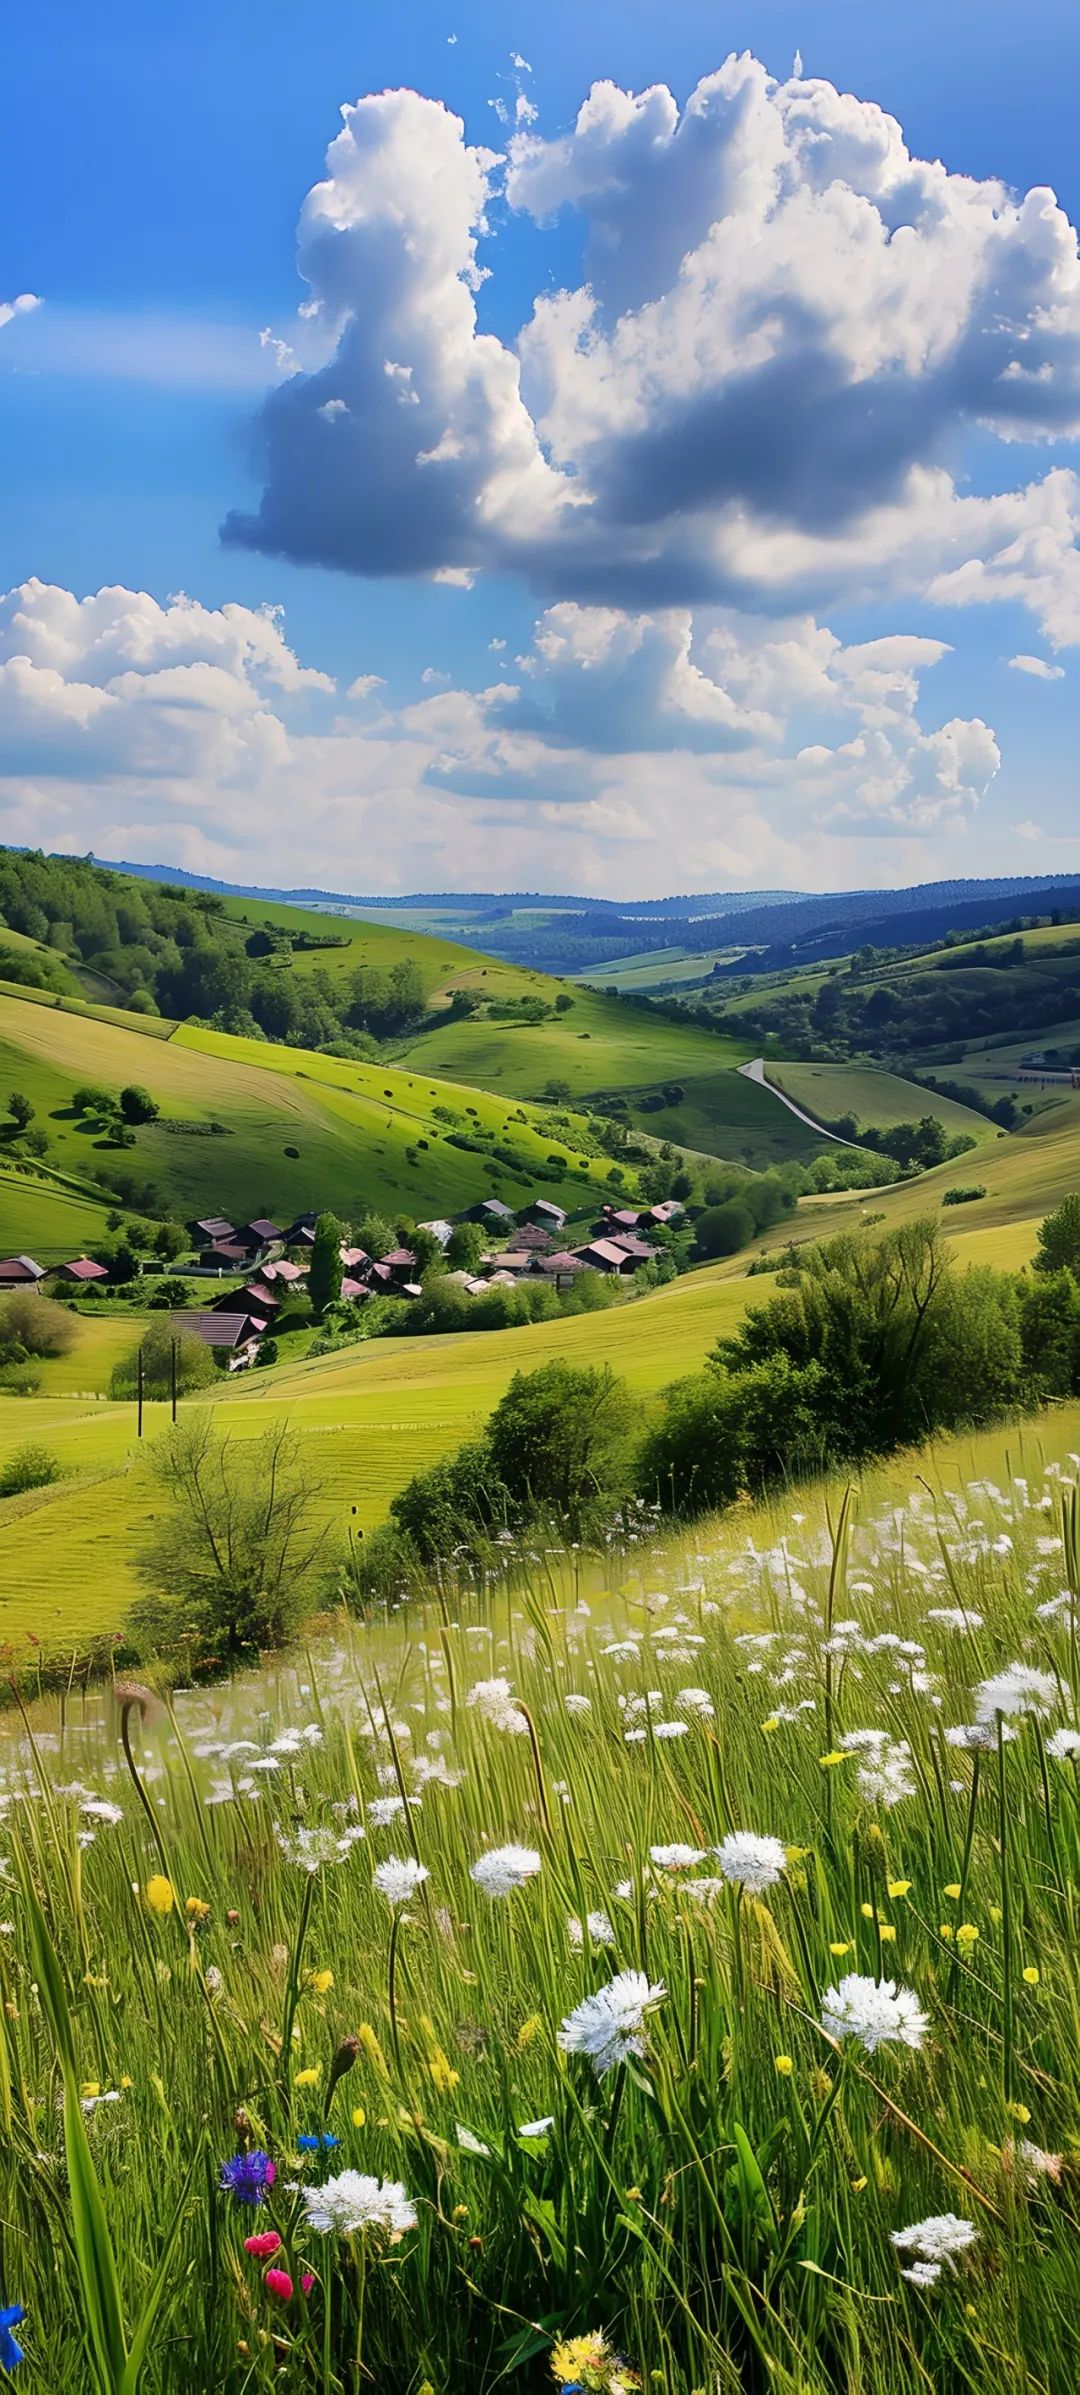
[(11, 2351), (248, 2177)]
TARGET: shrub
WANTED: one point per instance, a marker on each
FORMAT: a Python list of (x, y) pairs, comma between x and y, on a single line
[(31, 1325), (1059, 1238), (231, 1571), (137, 1105), (195, 1366), (31, 1467), (560, 1442), (963, 1197)]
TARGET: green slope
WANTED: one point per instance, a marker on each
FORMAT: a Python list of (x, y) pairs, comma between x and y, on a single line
[(298, 1130), (875, 1098)]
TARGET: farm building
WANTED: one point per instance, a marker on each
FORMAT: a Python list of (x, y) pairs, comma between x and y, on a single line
[(20, 1272), (82, 1272), (237, 1333), (212, 1229), (546, 1214), (224, 1255), (605, 1256), (439, 1229)]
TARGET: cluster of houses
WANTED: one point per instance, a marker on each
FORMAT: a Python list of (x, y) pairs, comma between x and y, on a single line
[(271, 1259)]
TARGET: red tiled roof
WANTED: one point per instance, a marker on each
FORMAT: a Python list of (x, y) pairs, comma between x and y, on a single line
[(21, 1268), (82, 1268), (220, 1330)]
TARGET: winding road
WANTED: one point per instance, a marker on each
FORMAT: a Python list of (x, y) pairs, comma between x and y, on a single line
[(756, 1072)]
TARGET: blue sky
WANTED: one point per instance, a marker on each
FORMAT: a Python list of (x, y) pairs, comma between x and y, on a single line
[(664, 538)]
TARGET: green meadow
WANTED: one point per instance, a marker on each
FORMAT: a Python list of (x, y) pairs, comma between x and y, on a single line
[(828, 1091)]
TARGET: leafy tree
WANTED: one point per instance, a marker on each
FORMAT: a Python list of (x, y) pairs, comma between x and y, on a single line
[(92, 1100), (231, 1571), (1058, 1238), (560, 1441), (137, 1105), (456, 1504), (465, 1247), (20, 1109), (375, 1236), (195, 1366), (326, 1270), (723, 1432), (171, 1240), (427, 1250), (170, 1293), (1050, 1333), (723, 1230)]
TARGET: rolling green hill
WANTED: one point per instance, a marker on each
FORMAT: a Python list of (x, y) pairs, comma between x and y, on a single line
[(297, 1130), (828, 1091)]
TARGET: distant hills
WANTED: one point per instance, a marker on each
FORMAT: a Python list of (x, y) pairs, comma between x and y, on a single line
[(568, 933)]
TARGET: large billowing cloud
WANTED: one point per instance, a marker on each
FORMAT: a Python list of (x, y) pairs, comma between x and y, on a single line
[(639, 750), (758, 394)]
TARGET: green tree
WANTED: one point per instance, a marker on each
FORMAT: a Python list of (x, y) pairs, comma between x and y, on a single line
[(561, 1442), (195, 1366), (1058, 1238), (375, 1236), (230, 1573), (137, 1105), (326, 1270), (20, 1109), (171, 1240), (723, 1230), (723, 1432), (465, 1247)]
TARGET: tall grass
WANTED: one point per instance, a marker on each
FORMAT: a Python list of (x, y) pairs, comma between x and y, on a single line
[(205, 1958)]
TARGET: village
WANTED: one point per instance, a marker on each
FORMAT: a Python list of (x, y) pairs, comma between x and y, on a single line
[(266, 1264)]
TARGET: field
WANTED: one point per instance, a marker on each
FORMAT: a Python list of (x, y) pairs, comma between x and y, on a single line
[(656, 970), (877, 1099), (58, 1222), (717, 2012), (298, 1129)]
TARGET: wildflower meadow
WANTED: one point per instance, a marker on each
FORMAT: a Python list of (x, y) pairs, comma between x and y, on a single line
[(663, 1977)]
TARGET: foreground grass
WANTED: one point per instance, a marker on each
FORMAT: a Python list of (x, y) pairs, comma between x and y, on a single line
[(264, 1936)]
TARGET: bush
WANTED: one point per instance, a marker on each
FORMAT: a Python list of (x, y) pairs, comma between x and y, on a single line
[(1059, 1238), (560, 1442), (195, 1366), (137, 1105), (31, 1325), (31, 1467), (723, 1230), (963, 1197)]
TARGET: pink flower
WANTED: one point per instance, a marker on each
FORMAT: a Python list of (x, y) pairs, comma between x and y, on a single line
[(265, 2244), (307, 2281), (279, 2283)]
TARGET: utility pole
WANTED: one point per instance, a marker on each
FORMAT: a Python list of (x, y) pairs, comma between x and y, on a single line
[(172, 1376), (139, 1386)]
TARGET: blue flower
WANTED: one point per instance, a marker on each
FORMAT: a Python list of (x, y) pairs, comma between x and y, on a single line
[(311, 2145), (248, 2176), (11, 2351)]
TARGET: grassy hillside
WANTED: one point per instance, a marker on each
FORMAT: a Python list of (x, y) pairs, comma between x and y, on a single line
[(372, 1415), (298, 1129), (39, 1218), (828, 1091)]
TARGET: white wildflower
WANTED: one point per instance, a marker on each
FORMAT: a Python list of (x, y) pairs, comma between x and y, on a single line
[(750, 1862), (877, 2014), (399, 1878), (939, 2239), (1064, 1745), (598, 1927), (495, 1702), (610, 2024), (1018, 1689), (536, 2128), (353, 2202), (504, 1869), (677, 1858)]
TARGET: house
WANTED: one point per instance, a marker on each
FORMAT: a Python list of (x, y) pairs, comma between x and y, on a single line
[(604, 1256), (20, 1272), (237, 1333), (252, 1300), (301, 1233), (212, 1229), (354, 1257), (494, 1213), (530, 1235), (631, 1245), (563, 1266), (260, 1235), (400, 1264), (670, 1210), (281, 1275), (516, 1260), (546, 1214), (440, 1230), (621, 1218), (353, 1291), (82, 1272), (224, 1255)]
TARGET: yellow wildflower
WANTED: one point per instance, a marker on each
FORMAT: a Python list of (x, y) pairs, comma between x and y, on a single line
[(837, 1756), (899, 1887), (196, 1908), (528, 2031), (321, 1981), (126, 2082), (857, 2186), (946, 1930), (89, 2089), (841, 1946), (784, 2064), (886, 1932), (359, 2116), (160, 1894), (773, 1723), (310, 2076), (967, 1933), (372, 2048), (1019, 2112), (1031, 1975), (952, 1890)]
